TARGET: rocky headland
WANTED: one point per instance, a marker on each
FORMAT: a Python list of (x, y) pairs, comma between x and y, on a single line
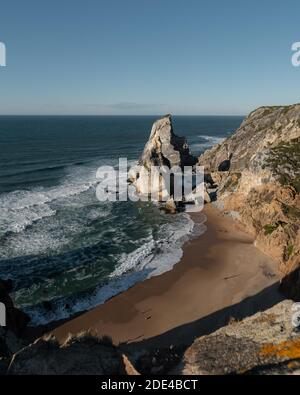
[(261, 186)]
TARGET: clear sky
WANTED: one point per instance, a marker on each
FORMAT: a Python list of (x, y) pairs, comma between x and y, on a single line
[(147, 56)]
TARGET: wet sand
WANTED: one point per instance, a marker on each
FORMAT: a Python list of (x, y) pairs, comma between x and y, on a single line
[(219, 269)]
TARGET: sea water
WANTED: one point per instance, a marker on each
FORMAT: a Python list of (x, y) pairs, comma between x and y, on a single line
[(58, 243)]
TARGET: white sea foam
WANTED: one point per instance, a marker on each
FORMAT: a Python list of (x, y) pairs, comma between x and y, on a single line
[(20, 209), (208, 142), (152, 258), (47, 206)]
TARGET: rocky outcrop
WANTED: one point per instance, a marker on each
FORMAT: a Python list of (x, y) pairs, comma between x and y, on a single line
[(266, 343), (262, 183), (256, 139), (81, 355), (164, 149)]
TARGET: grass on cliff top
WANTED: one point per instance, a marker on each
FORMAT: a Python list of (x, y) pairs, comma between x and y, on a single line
[(284, 161), (290, 250), (270, 228)]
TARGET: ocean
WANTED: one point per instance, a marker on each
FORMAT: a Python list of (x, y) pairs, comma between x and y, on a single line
[(58, 243)]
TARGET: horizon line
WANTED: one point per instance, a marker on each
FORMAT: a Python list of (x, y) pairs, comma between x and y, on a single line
[(121, 115)]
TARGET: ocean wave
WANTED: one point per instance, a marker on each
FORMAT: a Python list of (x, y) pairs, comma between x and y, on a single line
[(151, 258), (205, 142), (57, 235), (20, 209)]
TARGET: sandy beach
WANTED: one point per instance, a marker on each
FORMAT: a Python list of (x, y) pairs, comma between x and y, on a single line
[(220, 276)]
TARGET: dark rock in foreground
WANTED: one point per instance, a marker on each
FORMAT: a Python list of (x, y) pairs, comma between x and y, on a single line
[(83, 355), (266, 343)]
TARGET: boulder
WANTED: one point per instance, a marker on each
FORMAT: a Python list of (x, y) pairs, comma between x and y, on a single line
[(265, 343), (81, 355), (170, 206)]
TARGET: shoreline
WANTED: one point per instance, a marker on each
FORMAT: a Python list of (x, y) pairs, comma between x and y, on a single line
[(220, 275)]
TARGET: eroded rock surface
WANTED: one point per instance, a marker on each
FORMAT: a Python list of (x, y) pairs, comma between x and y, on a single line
[(262, 184), (164, 149), (266, 343)]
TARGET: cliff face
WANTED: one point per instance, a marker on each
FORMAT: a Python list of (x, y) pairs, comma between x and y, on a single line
[(256, 145), (262, 182)]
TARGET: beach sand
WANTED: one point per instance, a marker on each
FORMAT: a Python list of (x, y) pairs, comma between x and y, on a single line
[(221, 275)]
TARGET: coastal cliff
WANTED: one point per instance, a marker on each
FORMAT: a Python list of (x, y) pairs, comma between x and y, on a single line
[(257, 174)]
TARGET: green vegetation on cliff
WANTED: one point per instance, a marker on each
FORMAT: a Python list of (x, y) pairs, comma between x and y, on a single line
[(284, 162)]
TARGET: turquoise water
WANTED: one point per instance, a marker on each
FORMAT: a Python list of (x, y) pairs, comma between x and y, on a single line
[(57, 241)]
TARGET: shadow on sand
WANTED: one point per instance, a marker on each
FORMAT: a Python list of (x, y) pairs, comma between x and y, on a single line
[(184, 335)]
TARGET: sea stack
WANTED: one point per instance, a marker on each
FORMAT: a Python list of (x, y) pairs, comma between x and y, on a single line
[(163, 149)]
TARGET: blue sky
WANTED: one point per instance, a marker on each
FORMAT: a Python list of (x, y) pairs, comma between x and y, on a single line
[(147, 56)]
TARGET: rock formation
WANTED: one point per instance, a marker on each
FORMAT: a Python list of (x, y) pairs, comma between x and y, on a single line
[(262, 184), (266, 343), (81, 355), (164, 150)]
